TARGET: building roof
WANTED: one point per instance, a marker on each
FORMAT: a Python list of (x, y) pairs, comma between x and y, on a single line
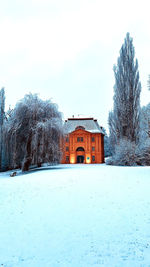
[(89, 124)]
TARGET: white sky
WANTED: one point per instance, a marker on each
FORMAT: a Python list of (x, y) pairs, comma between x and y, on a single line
[(66, 49)]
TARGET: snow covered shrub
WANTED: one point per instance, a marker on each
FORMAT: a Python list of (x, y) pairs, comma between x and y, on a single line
[(128, 153), (143, 154), (125, 154)]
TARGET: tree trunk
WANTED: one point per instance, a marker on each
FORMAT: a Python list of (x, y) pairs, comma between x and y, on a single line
[(39, 164), (28, 157)]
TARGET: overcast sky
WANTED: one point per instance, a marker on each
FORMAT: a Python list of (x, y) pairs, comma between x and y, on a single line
[(65, 50)]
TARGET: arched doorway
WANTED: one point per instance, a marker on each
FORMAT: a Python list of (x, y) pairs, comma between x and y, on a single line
[(80, 155), (80, 159)]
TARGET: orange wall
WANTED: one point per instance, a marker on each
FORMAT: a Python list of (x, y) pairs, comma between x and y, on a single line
[(87, 144)]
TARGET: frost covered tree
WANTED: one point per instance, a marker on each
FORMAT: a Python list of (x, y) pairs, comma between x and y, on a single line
[(124, 120), (144, 143), (148, 82), (145, 119), (112, 131), (33, 133), (145, 123), (107, 150), (2, 117)]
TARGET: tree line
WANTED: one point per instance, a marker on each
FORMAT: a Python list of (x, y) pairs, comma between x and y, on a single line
[(29, 133), (129, 123)]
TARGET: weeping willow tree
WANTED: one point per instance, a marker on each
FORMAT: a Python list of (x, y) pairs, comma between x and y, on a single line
[(33, 133)]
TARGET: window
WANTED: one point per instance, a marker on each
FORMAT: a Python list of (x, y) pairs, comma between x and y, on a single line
[(67, 148), (67, 159), (93, 139), (93, 158), (67, 139), (79, 139), (79, 128), (93, 148)]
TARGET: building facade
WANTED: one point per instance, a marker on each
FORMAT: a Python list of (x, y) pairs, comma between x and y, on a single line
[(83, 141)]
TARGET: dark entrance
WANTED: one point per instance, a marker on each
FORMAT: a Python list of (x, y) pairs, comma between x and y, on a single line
[(80, 148), (80, 159)]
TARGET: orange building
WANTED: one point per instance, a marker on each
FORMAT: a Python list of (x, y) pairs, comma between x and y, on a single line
[(83, 141)]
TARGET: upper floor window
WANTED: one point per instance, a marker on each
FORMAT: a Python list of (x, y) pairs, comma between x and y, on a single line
[(67, 148), (79, 139), (67, 139), (93, 148), (93, 139)]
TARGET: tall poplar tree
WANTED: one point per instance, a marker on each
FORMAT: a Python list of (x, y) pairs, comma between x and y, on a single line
[(125, 115)]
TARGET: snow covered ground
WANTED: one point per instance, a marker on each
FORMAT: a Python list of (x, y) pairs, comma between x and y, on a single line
[(76, 216)]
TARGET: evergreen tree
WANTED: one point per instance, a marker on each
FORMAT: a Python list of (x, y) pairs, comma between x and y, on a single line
[(124, 120)]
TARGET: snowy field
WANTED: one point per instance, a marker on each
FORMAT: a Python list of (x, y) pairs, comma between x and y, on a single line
[(76, 216)]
